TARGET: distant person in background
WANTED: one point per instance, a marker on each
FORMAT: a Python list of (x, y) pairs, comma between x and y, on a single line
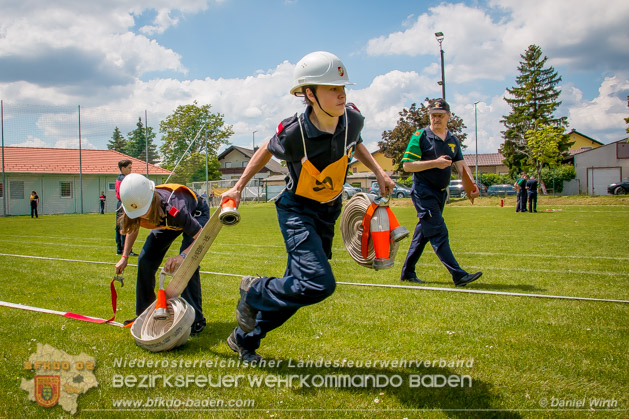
[(125, 168), (102, 199), (531, 188), (34, 204), (520, 186)]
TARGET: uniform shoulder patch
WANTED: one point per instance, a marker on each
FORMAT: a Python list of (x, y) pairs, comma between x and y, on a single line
[(354, 107), (285, 123), (173, 211), (418, 133)]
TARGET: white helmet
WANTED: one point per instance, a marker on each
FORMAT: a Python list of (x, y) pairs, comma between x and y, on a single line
[(319, 68), (136, 194)]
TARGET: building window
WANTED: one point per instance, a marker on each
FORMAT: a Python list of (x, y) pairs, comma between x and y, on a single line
[(111, 186), (16, 189), (228, 165), (1, 190), (66, 189), (622, 150), (244, 164)]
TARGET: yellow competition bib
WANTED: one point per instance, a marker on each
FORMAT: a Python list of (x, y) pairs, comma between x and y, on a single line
[(327, 185)]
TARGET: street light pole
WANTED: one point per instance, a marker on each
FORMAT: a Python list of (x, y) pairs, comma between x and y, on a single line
[(439, 36), (476, 138), (254, 140)]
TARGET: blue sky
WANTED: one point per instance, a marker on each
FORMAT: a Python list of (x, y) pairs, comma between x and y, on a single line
[(117, 59)]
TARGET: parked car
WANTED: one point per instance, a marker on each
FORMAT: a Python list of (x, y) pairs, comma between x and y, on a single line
[(455, 188), (399, 191), (619, 188), (349, 191), (501, 190)]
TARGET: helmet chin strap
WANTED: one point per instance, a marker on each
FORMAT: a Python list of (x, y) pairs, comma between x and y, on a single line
[(320, 107)]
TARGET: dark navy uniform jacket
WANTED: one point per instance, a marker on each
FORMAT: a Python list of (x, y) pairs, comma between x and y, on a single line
[(531, 185), (426, 145), (322, 148), (180, 210)]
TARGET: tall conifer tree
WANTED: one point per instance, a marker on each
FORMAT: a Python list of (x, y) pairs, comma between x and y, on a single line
[(533, 103)]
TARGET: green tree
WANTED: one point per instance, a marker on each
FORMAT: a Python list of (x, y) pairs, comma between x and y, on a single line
[(533, 103), (543, 145), (180, 129), (553, 178), (394, 142), (192, 169), (136, 145), (117, 142)]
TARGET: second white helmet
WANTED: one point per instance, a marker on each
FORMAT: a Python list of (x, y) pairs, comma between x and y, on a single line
[(136, 194), (319, 68)]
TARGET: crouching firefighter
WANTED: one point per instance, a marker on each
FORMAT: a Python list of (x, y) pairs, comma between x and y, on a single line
[(168, 210), (316, 146)]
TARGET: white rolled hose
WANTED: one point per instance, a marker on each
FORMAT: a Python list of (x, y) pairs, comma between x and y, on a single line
[(352, 231), (164, 335)]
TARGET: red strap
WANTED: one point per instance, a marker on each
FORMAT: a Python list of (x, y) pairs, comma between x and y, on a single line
[(364, 243), (114, 302)]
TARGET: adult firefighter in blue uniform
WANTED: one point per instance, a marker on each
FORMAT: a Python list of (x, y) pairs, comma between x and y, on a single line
[(429, 156), (316, 146), (168, 210)]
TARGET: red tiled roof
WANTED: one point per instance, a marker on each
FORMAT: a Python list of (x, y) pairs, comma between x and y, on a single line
[(485, 159), (66, 160)]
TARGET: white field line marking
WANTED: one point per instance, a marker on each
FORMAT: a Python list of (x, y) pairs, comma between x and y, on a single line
[(472, 291), (467, 291), (497, 268)]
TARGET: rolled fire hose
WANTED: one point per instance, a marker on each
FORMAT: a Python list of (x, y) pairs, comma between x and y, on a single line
[(166, 323), (352, 229)]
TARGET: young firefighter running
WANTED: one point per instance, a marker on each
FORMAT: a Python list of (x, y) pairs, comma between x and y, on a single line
[(316, 146), (168, 210)]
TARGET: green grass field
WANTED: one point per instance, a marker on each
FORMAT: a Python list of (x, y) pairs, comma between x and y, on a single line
[(521, 356)]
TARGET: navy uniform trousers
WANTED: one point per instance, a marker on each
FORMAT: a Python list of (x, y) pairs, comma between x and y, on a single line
[(155, 247), (308, 230), (521, 200), (431, 227), (532, 201)]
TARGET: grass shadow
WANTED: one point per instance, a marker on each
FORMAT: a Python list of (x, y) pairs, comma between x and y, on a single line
[(466, 397)]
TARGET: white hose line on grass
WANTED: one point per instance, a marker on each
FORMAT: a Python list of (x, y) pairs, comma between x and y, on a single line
[(59, 313), (467, 291)]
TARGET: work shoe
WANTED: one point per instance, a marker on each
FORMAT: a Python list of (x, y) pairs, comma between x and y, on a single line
[(244, 354), (245, 314), (128, 322), (412, 278), (197, 328), (467, 279), (133, 254)]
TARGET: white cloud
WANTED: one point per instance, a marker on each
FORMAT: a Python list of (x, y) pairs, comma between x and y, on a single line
[(486, 44), (31, 142), (603, 117)]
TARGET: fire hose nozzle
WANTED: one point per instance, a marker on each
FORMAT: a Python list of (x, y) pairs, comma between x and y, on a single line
[(229, 215)]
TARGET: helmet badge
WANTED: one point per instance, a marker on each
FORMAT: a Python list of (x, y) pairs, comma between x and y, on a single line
[(341, 71)]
